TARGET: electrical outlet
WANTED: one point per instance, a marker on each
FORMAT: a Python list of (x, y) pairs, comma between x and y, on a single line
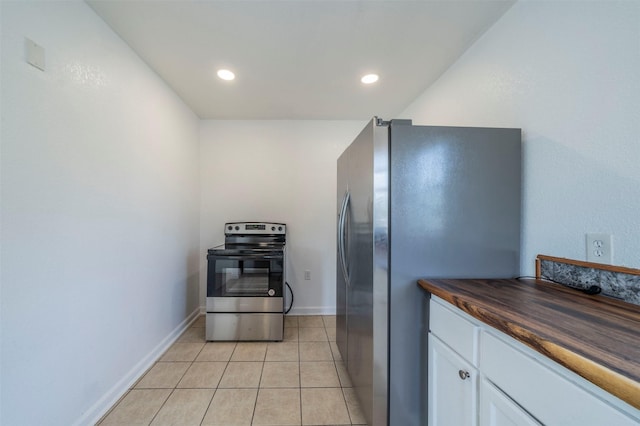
[(307, 275), (599, 248)]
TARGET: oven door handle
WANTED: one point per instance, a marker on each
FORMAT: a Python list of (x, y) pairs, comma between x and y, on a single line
[(342, 236)]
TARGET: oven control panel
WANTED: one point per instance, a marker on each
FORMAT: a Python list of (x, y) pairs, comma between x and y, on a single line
[(254, 228)]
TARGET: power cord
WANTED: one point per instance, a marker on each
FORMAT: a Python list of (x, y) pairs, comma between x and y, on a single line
[(290, 304), (594, 289)]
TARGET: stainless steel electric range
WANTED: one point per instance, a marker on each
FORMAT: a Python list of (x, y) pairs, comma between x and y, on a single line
[(246, 282)]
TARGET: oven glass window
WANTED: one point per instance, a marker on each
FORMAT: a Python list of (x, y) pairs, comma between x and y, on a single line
[(246, 277)]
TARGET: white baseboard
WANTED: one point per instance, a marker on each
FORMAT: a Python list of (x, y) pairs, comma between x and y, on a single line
[(99, 409), (313, 310), (305, 310)]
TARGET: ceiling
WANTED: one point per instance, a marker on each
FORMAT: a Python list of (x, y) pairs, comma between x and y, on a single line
[(299, 59)]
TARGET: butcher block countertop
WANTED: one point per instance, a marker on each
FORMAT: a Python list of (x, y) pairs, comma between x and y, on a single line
[(596, 337)]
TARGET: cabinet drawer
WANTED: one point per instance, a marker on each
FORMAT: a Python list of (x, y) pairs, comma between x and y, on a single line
[(546, 394), (453, 329)]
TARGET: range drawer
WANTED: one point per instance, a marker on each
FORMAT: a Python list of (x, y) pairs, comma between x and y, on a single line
[(243, 326)]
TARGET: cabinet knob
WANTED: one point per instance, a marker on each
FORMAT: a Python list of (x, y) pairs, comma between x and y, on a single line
[(463, 374)]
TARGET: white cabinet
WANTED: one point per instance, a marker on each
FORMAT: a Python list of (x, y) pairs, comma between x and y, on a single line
[(453, 387), (549, 392), (508, 383), (497, 409), (453, 376)]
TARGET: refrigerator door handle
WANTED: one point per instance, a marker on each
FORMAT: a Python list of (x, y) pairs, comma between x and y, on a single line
[(342, 236)]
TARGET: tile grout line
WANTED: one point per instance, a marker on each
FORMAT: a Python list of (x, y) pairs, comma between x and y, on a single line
[(255, 403), (209, 404), (300, 380), (183, 375), (160, 409), (335, 365), (215, 391), (179, 380)]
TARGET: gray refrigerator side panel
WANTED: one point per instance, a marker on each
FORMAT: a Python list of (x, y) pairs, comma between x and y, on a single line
[(359, 294), (455, 212)]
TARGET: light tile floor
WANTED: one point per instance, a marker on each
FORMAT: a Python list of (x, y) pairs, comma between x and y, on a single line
[(299, 381)]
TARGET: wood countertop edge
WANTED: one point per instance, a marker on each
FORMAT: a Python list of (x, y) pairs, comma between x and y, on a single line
[(618, 385)]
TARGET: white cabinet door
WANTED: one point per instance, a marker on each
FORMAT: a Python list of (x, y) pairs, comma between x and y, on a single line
[(497, 409), (453, 390)]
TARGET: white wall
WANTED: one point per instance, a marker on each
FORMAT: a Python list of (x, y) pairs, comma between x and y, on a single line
[(281, 171), (100, 204), (567, 74)]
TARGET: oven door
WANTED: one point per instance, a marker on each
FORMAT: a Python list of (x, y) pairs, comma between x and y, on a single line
[(249, 282)]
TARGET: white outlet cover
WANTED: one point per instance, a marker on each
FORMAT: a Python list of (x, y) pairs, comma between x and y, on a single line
[(599, 247)]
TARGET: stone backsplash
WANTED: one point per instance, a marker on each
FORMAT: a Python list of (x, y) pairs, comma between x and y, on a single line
[(623, 284)]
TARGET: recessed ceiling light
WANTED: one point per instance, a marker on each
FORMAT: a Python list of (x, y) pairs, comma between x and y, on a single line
[(226, 75), (369, 78)]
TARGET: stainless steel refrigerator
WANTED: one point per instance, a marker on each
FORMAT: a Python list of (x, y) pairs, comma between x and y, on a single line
[(413, 202)]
